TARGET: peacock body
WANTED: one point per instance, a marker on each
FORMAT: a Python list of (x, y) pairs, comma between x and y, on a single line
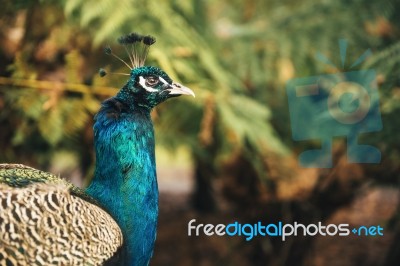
[(45, 220)]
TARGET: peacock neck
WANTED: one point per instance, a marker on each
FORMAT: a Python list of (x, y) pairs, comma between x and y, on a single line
[(125, 181)]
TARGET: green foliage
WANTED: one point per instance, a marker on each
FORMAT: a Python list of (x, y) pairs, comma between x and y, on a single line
[(249, 50), (238, 55), (88, 12)]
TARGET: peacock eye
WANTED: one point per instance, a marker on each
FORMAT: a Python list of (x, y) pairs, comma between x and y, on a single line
[(152, 81)]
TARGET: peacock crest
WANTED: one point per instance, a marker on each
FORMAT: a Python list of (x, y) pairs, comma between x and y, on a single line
[(137, 47)]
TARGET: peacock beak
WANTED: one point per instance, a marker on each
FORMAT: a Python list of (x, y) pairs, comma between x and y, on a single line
[(179, 89)]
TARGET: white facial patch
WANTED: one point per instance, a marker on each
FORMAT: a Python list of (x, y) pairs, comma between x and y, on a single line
[(163, 80), (142, 82)]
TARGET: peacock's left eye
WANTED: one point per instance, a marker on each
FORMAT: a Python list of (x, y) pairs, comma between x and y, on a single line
[(152, 81)]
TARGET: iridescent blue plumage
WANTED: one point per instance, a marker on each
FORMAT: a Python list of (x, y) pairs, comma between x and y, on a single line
[(125, 181)]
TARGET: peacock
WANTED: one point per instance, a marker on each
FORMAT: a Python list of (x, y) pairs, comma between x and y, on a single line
[(45, 220)]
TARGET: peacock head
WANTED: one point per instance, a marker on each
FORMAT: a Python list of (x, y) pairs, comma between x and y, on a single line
[(147, 85)]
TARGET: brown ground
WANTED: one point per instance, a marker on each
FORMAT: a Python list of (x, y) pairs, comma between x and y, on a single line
[(175, 247)]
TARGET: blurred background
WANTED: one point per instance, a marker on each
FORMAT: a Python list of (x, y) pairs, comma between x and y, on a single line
[(228, 154)]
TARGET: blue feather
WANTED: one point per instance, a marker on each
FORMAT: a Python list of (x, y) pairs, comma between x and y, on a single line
[(125, 181), (125, 178)]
